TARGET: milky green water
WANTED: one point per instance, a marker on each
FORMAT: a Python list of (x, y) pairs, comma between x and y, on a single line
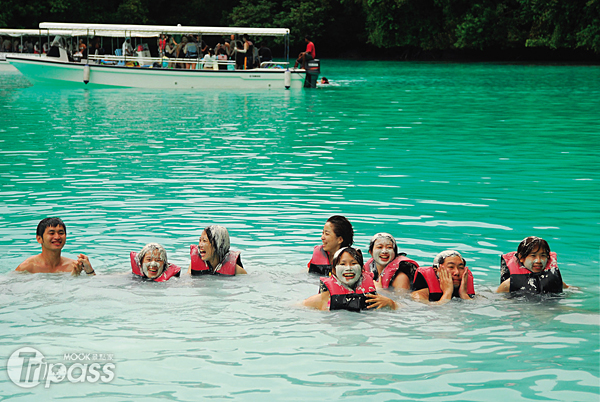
[(467, 156)]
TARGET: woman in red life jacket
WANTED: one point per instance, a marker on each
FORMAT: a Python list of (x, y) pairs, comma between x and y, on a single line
[(349, 287), (449, 277), (531, 269), (212, 256), (389, 269), (151, 263), (337, 233)]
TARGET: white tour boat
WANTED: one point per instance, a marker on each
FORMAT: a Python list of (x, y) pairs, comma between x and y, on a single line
[(145, 71)]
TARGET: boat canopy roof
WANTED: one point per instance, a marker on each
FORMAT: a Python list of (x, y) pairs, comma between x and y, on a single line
[(118, 30), (32, 32)]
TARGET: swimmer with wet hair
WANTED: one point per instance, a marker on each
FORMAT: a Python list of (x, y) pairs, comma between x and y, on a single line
[(337, 233), (389, 268), (349, 287), (151, 263), (212, 254), (51, 234), (448, 277), (533, 268)]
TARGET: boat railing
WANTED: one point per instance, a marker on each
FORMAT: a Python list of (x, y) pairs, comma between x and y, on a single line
[(274, 64), (165, 62)]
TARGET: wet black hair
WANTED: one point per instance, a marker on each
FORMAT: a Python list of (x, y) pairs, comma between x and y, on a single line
[(354, 252), (342, 228), (49, 222), (530, 244), (218, 236)]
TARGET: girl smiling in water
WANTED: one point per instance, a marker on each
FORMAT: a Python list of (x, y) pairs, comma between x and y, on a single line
[(531, 269), (211, 256), (337, 233), (389, 268), (349, 287)]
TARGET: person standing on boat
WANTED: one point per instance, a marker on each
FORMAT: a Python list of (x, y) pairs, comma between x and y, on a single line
[(127, 48), (307, 55), (190, 51), (448, 277), (6, 45), (162, 44), (246, 54), (337, 233), (232, 45), (51, 234)]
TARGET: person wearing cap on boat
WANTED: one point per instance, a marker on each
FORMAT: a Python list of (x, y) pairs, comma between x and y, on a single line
[(449, 277), (51, 233), (390, 269), (307, 55), (127, 48), (151, 263), (349, 287), (337, 233), (212, 254), (533, 269)]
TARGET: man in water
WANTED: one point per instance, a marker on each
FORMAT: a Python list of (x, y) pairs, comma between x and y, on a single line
[(449, 277), (52, 235)]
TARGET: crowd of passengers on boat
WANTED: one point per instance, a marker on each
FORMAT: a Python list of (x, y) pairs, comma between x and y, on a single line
[(190, 51), (9, 45), (347, 281)]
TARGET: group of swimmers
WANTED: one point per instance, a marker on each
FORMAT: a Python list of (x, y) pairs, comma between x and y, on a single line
[(347, 282)]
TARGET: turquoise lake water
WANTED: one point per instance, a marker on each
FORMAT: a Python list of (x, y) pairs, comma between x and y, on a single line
[(473, 157)]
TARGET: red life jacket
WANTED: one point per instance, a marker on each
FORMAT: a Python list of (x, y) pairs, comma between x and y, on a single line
[(433, 283), (199, 267), (319, 263), (172, 270), (549, 280), (342, 298), (391, 270)]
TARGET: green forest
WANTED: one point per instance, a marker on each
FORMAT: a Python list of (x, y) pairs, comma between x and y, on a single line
[(384, 29)]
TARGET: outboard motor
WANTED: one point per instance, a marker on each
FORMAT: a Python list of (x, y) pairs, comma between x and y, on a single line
[(313, 69)]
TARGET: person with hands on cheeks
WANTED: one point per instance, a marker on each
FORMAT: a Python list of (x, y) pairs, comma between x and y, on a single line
[(350, 287), (51, 234), (449, 277)]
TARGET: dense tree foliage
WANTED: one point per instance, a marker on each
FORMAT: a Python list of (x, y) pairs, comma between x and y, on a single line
[(341, 25)]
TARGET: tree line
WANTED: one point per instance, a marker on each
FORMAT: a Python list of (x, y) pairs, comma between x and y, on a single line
[(379, 28)]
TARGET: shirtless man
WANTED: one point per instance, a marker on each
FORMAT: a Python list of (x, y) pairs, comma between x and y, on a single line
[(52, 235), (449, 277)]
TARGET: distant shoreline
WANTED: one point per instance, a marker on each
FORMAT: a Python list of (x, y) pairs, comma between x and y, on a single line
[(521, 55)]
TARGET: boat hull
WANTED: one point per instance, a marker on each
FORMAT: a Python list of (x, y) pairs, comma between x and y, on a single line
[(48, 70)]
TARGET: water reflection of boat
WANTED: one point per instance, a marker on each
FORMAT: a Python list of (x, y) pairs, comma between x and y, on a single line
[(143, 70)]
